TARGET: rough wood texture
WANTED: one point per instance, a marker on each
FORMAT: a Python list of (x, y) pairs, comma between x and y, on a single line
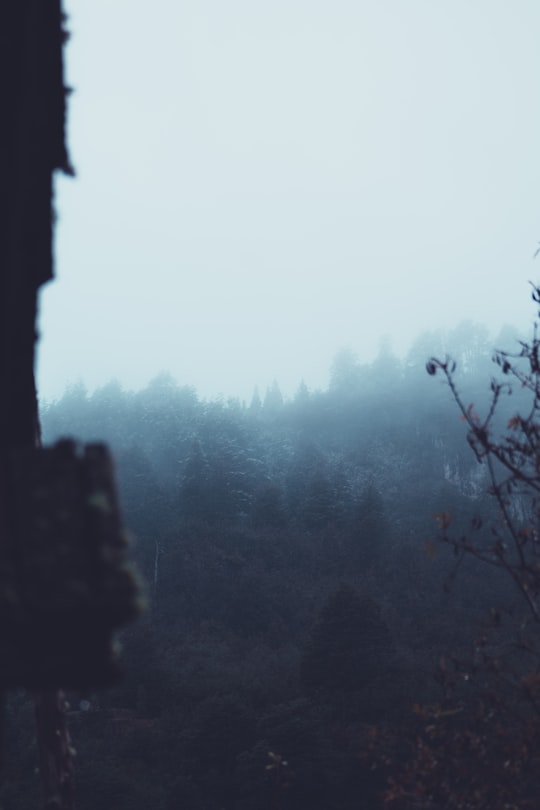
[(32, 145), (65, 587), (61, 573)]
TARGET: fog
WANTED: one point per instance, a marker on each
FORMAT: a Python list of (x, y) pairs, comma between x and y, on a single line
[(261, 184)]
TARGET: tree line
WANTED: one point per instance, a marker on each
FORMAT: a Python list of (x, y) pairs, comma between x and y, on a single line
[(296, 596)]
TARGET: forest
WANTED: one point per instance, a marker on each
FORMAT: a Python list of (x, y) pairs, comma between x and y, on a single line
[(312, 637)]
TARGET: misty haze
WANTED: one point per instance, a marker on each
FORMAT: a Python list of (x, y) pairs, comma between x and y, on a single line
[(262, 184), (293, 296)]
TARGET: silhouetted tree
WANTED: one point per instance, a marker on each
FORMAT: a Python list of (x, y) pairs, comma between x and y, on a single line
[(479, 746), (273, 399)]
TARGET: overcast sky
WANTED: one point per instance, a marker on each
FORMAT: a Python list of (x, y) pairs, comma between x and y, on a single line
[(262, 182)]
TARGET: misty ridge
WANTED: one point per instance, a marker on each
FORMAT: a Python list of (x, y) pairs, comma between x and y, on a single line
[(466, 341), (296, 597), (371, 415)]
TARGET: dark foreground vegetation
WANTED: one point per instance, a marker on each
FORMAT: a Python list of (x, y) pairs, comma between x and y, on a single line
[(308, 644)]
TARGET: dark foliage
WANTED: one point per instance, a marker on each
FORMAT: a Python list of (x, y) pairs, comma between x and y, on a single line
[(478, 746), (295, 593)]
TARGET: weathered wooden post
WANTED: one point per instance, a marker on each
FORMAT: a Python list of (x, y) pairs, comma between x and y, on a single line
[(64, 586)]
